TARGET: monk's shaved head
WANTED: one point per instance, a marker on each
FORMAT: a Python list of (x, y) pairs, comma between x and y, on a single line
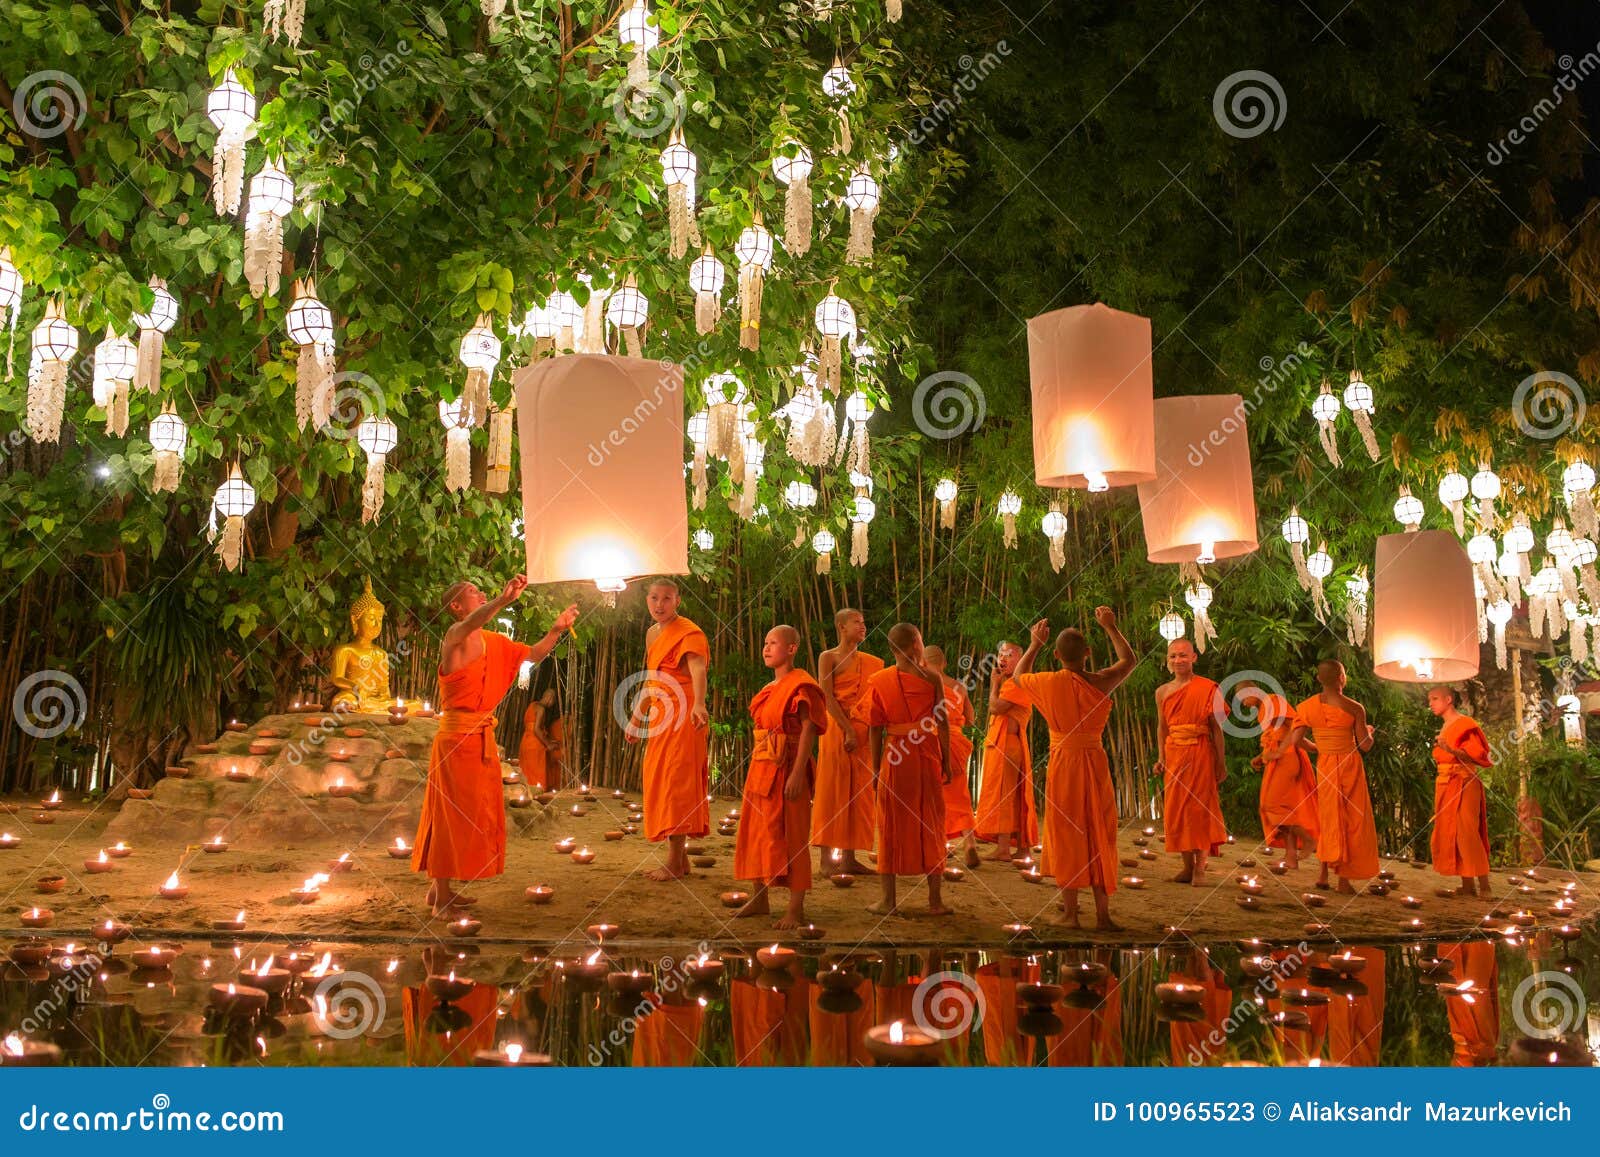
[(1071, 646), (787, 633), (934, 657), (663, 582), (1006, 645), (844, 614), (454, 593), (906, 639)]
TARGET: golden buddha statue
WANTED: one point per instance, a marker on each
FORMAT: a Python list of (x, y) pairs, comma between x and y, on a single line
[(361, 668)]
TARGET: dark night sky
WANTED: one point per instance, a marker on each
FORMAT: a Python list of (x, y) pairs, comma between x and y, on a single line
[(1573, 27)]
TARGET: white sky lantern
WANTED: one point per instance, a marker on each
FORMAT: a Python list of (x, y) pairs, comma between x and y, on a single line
[(696, 429), (1424, 614), (1008, 507), (823, 543), (1485, 488), (861, 516), (1172, 626), (1499, 613), (232, 110), (1325, 409), (629, 310), (791, 165), (456, 418), (638, 32), (679, 167), (54, 345), (1199, 597), (153, 328), (630, 515), (115, 361), (1319, 566), (480, 352), (169, 438), (310, 326), (862, 196), (706, 279), (1577, 482), (1359, 401), (1297, 532), (704, 539), (836, 322), (1356, 588), (376, 436), (944, 493), (271, 200), (234, 500), (1093, 399), (1054, 525), (1199, 513), (1453, 491), (754, 251), (1408, 510)]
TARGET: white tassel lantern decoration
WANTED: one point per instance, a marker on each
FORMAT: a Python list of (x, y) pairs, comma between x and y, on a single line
[(1582, 558), (1297, 533), (232, 110), (1482, 555), (678, 169), (1453, 491), (1199, 596), (792, 167), (1577, 480), (169, 438), (11, 286), (1520, 540), (838, 85), (822, 542), (457, 421), (1319, 566), (1408, 510), (862, 196), (628, 310), (1478, 601), (376, 436), (115, 361), (567, 315), (696, 428), (1577, 634), (1359, 401), (812, 433), (754, 251), (1486, 488), (234, 500), (1009, 506), (1326, 411), (153, 329), (310, 326), (725, 397), (1544, 603), (1509, 571), (860, 518), (1499, 613), (836, 322), (287, 18), (271, 200), (894, 9), (704, 540), (857, 409), (591, 334), (1559, 543), (944, 493), (54, 345), (1356, 588), (638, 32), (1172, 626), (502, 420), (755, 455), (480, 352), (1054, 525), (706, 279)]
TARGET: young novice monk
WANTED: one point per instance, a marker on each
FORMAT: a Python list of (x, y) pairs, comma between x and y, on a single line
[(1006, 811), (959, 820), (1080, 805), (1190, 737), (774, 843), (844, 820), (1288, 804), (1347, 840), (1460, 816)]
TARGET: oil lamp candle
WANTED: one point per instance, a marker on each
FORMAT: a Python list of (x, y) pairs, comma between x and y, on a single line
[(1175, 992), (583, 856), (1251, 886), (565, 847), (601, 932), (155, 957), (706, 970), (99, 864), (273, 981), (1140, 842), (30, 953), (112, 933), (842, 879), (593, 968), (179, 771), (1435, 966), (540, 893), (1347, 963), (51, 801), (579, 810), (50, 885), (1561, 907), (733, 814), (633, 829), (1256, 967), (1530, 1051), (235, 1000), (215, 846), (775, 957), (1022, 863), (399, 850), (898, 1043), (339, 789), (1148, 832), (511, 778), (733, 899), (140, 793), (1032, 876), (1410, 902), (630, 984), (18, 1053), (119, 851), (619, 794), (1305, 998), (1567, 932), (1134, 882), (465, 927), (954, 874), (614, 836), (1314, 900), (1281, 868), (1247, 862), (343, 864), (308, 892), (1016, 929), (1146, 854), (338, 756), (1316, 928), (1039, 996), (425, 711), (508, 1056), (234, 925), (235, 725), (8, 841), (204, 749), (1290, 1019), (1249, 903), (1086, 973), (1524, 919), (809, 932), (46, 818), (37, 918)]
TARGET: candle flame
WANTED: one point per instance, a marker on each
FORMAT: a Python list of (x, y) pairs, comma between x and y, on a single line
[(13, 1045), (452, 976), (120, 847), (594, 957), (514, 1053), (232, 991), (55, 796), (897, 1033), (323, 966), (240, 916), (399, 842), (173, 881), (103, 858), (217, 839), (393, 964), (345, 859)]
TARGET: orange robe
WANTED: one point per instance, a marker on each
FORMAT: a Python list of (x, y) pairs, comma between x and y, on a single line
[(431, 1045), (1080, 805), (534, 759), (910, 779), (845, 813), (1460, 814), (1475, 1023), (676, 765), (770, 1027), (1196, 1043), (773, 845), (1348, 837), (1355, 1021), (669, 1036), (1289, 783), (1005, 788), (838, 1038), (959, 818), (1192, 808), (1004, 1042), (1090, 1036), (462, 833)]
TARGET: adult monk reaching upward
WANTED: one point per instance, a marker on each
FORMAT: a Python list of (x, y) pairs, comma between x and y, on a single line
[(672, 714), (462, 833), (844, 820), (1190, 738), (1080, 805), (1347, 840), (1006, 811)]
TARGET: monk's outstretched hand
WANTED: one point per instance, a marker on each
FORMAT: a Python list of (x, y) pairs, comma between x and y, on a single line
[(513, 589), (1106, 617), (1041, 632), (566, 618)]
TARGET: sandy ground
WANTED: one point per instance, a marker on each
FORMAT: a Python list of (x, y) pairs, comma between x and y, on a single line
[(381, 900)]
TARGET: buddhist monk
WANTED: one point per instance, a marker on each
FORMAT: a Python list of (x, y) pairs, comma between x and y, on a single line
[(1080, 804), (774, 842), (1347, 838), (844, 818), (960, 823), (1190, 738), (1460, 815), (673, 717), (1007, 815), (462, 833), (1288, 803), (909, 740), (539, 754)]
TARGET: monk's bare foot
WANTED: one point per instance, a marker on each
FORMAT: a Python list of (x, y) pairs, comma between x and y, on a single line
[(855, 867), (1321, 885), (462, 900), (973, 859), (1199, 880), (759, 907), (1106, 924), (1066, 920), (787, 921), (940, 910), (1183, 877), (996, 857), (1451, 893), (662, 874), (1344, 888), (883, 908)]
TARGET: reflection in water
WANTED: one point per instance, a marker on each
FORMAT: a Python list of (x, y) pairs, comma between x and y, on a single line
[(1179, 1004)]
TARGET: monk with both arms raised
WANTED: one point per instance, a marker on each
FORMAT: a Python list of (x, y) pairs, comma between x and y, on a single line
[(1347, 839), (844, 818), (774, 842), (1460, 812), (1191, 710), (960, 822)]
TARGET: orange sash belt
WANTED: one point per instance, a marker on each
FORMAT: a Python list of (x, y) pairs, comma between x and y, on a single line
[(906, 729), (1187, 734), (769, 745), (1454, 769), (1076, 741), (455, 722), (1333, 742)]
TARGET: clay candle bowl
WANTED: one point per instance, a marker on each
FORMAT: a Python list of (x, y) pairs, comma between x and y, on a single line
[(399, 850), (1134, 882), (234, 925), (30, 953), (510, 778), (50, 885), (1017, 929), (544, 797), (630, 984), (155, 957), (601, 932), (839, 978), (17, 1053), (540, 893), (340, 789), (307, 893), (902, 1044), (98, 864), (775, 957), (1410, 902), (238, 1001), (733, 899), (614, 836), (140, 793), (583, 856), (52, 801), (1524, 919), (43, 818), (1248, 903), (1247, 862), (1032, 876), (343, 864), (708, 971), (1085, 973), (1279, 869), (1347, 963), (1252, 887), (633, 830), (809, 932), (215, 846), (1567, 932), (1314, 900), (464, 927), (1314, 928), (119, 851), (1148, 832), (842, 879), (37, 918), (1038, 996), (954, 875), (1436, 968), (112, 933), (1255, 967), (179, 771), (1533, 1051), (1140, 842), (565, 847), (1147, 854), (8, 841), (1175, 992), (235, 725), (579, 810), (1305, 998)]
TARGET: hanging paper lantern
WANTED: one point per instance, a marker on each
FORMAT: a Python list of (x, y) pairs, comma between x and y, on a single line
[(1319, 566), (1582, 559), (153, 328), (1499, 613), (376, 436), (725, 398), (812, 433), (1577, 482), (232, 110), (857, 409), (1198, 595), (800, 495), (1485, 488), (862, 196), (115, 361), (1356, 589), (568, 316), (1408, 510), (706, 279), (1424, 618), (678, 169), (1560, 543), (1544, 603), (636, 30), (861, 517), (493, 10), (1296, 532), (696, 429), (169, 437), (480, 353), (11, 286), (1359, 401), (1482, 555), (1200, 506), (1054, 525), (944, 492), (456, 417), (755, 454), (1009, 506), (822, 542), (893, 9), (792, 167), (287, 18), (836, 322), (502, 420), (1326, 411), (591, 334), (630, 517), (1509, 570), (754, 251), (540, 324), (1172, 626), (1453, 491), (838, 85), (54, 345), (234, 500), (310, 326), (1093, 398), (628, 310), (704, 539), (271, 200)]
